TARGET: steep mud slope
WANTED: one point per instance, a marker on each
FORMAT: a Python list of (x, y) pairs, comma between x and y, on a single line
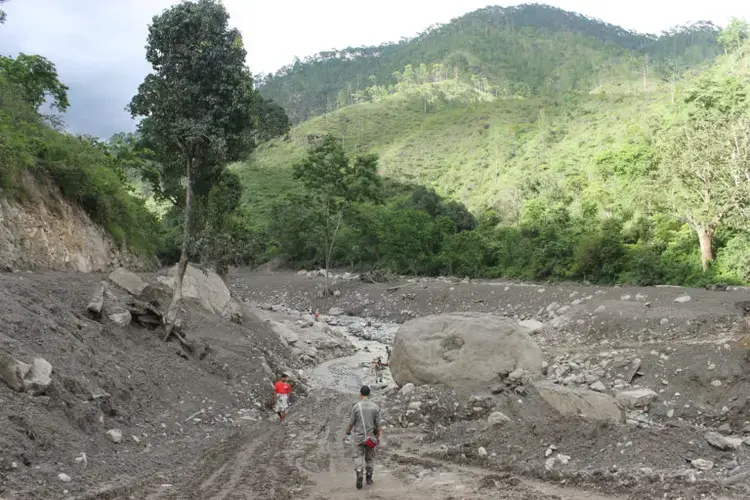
[(122, 405)]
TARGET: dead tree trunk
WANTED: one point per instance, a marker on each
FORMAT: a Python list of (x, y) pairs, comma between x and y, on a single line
[(171, 317), (706, 240)]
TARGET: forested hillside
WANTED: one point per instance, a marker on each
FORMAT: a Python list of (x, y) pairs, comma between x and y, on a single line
[(523, 51), (608, 186), (523, 142)]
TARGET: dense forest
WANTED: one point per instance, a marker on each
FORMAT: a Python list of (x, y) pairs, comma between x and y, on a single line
[(524, 142), (641, 177), (527, 51)]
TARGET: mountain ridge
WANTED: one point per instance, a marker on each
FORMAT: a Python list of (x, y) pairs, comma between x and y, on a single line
[(535, 49)]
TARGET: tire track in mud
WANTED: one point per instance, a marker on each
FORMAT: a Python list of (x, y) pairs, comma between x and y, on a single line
[(242, 467)]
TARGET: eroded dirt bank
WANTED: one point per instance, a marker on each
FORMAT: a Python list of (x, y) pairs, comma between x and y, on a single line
[(200, 428)]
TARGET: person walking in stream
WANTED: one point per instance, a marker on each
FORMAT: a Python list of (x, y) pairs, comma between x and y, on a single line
[(364, 420)]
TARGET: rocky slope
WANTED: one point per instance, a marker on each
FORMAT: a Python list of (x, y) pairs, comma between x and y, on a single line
[(47, 232), (125, 415)]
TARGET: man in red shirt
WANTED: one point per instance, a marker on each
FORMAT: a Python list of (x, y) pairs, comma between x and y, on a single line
[(282, 390)]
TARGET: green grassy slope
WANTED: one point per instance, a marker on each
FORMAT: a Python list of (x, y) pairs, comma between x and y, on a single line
[(483, 155)]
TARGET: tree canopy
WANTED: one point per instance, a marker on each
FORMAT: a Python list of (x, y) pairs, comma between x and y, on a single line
[(36, 77)]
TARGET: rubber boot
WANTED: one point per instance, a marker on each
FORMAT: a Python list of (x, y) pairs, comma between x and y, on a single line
[(368, 478), (359, 479)]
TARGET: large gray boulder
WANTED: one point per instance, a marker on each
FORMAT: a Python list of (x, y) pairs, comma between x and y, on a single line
[(208, 289), (462, 349)]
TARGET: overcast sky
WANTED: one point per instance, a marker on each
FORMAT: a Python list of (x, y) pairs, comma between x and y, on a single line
[(98, 45)]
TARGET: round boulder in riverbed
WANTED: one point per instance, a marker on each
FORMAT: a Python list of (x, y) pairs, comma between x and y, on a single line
[(462, 349)]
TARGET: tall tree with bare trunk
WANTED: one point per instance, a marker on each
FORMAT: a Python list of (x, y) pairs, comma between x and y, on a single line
[(705, 172), (198, 108)]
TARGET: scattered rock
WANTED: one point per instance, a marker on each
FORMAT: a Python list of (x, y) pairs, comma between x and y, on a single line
[(19, 376), (723, 443), (702, 464), (97, 300), (598, 386), (12, 372), (637, 398), (128, 281), (39, 377), (582, 402), (725, 428), (461, 349), (157, 294), (532, 324), (482, 452), (407, 388), (716, 383), (64, 478), (497, 418), (635, 366), (335, 311), (115, 435), (121, 319), (683, 299)]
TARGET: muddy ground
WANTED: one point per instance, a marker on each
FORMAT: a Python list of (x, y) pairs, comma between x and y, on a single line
[(200, 429)]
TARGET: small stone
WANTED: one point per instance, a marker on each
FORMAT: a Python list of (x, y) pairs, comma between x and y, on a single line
[(482, 452), (638, 398), (115, 435), (137, 440), (64, 478), (598, 386), (497, 418), (683, 299), (549, 463), (670, 413), (725, 429), (407, 389), (716, 383), (664, 382), (121, 319), (702, 464), (723, 443), (563, 459)]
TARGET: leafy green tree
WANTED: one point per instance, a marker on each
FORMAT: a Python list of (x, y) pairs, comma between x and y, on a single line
[(408, 239), (3, 16), (273, 121), (37, 78), (198, 105), (734, 36), (706, 161), (336, 181)]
